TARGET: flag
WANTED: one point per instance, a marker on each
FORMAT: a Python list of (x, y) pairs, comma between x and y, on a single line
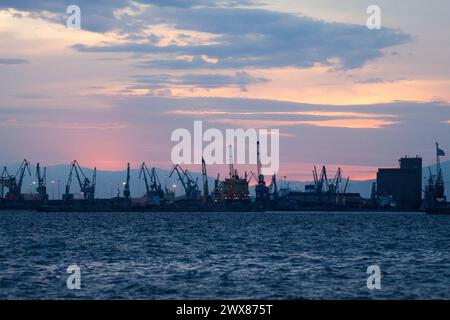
[(440, 152)]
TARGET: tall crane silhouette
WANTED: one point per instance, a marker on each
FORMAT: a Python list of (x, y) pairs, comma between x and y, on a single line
[(87, 187), (190, 185), (14, 183), (205, 182), (41, 182)]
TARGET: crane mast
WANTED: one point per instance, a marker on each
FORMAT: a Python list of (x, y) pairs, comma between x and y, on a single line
[(205, 182), (143, 173), (155, 184), (261, 190), (41, 182), (67, 195), (258, 161), (87, 187), (25, 167), (190, 185), (181, 177), (232, 172), (152, 184)]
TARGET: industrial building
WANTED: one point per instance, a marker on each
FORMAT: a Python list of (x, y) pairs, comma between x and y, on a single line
[(403, 184)]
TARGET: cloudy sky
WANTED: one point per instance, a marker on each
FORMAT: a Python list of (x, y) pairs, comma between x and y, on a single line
[(114, 91)]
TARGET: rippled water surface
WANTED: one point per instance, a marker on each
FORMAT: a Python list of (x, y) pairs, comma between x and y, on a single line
[(224, 255)]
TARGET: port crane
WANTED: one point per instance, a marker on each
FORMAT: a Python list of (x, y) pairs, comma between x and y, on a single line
[(87, 187), (346, 185), (155, 184), (41, 182), (434, 189), (143, 173), (333, 186), (330, 187), (218, 189), (439, 183), (320, 183), (232, 171), (251, 176), (152, 182), (205, 182), (14, 183), (126, 189), (261, 190), (190, 185), (430, 187)]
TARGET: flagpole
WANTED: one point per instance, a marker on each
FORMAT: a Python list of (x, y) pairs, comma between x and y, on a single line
[(438, 164)]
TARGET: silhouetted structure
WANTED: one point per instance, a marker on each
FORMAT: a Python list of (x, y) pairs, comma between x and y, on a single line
[(403, 184), (435, 199), (235, 188)]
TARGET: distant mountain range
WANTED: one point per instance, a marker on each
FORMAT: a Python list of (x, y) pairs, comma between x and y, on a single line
[(108, 182)]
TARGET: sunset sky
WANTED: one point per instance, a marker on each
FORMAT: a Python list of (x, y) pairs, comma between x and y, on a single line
[(113, 91)]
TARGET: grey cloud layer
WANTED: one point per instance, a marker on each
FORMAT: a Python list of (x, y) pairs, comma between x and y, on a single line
[(240, 79), (246, 37), (98, 15), (13, 61), (258, 38)]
